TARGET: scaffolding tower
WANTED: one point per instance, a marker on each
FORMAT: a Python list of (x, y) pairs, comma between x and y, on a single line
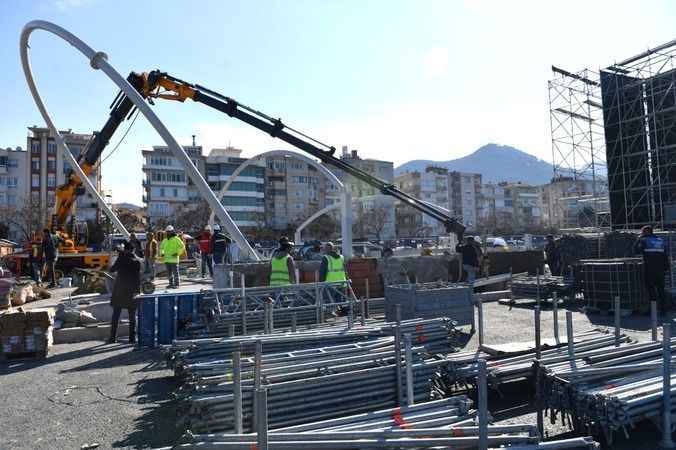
[(639, 103), (577, 196)]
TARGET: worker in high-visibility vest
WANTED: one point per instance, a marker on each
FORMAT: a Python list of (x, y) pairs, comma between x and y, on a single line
[(282, 268), (332, 267)]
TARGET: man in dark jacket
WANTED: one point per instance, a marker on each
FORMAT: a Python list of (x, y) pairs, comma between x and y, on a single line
[(37, 261), (470, 258), (655, 263), (51, 254), (553, 256), (136, 245), (219, 245), (127, 285)]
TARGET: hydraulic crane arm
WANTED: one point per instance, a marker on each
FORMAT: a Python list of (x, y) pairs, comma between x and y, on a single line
[(160, 85), (67, 193)]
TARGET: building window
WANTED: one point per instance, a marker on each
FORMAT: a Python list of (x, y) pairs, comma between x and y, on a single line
[(35, 164), (51, 180), (51, 148), (51, 164), (35, 180), (35, 147), (12, 182), (12, 162), (175, 192), (11, 199)]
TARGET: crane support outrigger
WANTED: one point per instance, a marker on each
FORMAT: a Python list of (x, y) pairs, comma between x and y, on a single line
[(157, 84)]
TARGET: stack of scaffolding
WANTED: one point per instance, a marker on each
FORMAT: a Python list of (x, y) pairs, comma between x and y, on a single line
[(543, 286), (606, 391), (605, 279), (439, 299)]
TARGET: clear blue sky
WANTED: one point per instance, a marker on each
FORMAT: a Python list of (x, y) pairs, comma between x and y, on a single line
[(396, 80)]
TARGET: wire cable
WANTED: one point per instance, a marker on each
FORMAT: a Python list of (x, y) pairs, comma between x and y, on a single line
[(120, 141)]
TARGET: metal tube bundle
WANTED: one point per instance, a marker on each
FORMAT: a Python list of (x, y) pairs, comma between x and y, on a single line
[(605, 393), (510, 368)]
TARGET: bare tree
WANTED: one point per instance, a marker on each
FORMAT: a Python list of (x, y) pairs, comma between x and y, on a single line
[(372, 221), (194, 217), (129, 219), (26, 219)]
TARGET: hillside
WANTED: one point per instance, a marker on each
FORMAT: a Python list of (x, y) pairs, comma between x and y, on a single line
[(494, 162)]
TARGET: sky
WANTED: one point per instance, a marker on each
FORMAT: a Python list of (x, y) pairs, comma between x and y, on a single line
[(397, 80)]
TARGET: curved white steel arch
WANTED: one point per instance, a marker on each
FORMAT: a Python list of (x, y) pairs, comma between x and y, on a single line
[(99, 60), (326, 209), (346, 219)]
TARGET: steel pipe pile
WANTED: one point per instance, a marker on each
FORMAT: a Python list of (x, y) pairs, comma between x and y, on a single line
[(608, 391), (511, 368), (448, 422), (545, 286)]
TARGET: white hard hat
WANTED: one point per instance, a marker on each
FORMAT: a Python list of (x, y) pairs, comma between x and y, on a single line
[(207, 228), (169, 228), (217, 227)]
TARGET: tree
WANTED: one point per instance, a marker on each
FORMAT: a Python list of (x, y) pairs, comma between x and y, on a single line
[(25, 219), (372, 221), (129, 219), (194, 217), (323, 227)]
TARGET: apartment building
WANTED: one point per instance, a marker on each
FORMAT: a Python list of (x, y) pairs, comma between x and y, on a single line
[(167, 189), (46, 169), (245, 198), (295, 190), (526, 203), (565, 201), (381, 209), (465, 198), (493, 211), (13, 182)]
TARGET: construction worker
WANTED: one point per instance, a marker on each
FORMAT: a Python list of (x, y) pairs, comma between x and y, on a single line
[(127, 285), (149, 254), (282, 267), (332, 267), (655, 263), (204, 241), (136, 244), (37, 261), (471, 254), (171, 249), (553, 256), (51, 254), (219, 245)]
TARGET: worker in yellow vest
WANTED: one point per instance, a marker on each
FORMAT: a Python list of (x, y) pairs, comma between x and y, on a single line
[(332, 267), (282, 268)]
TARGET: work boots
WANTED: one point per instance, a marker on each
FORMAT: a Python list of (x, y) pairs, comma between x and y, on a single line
[(132, 331), (113, 333)]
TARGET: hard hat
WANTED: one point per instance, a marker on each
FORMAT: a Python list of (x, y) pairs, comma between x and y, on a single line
[(217, 227), (169, 228), (207, 228)]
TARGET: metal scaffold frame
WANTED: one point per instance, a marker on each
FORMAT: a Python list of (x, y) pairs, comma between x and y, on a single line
[(578, 144), (640, 102)]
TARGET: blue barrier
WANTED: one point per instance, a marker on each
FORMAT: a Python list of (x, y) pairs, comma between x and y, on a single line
[(163, 317)]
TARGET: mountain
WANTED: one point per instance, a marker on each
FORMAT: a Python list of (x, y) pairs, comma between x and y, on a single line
[(494, 162), (129, 206)]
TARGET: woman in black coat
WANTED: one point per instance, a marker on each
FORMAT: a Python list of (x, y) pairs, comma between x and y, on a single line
[(127, 285)]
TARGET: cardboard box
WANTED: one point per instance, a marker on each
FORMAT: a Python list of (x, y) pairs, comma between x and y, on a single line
[(13, 323)]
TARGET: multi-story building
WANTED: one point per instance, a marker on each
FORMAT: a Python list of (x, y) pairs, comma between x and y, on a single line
[(245, 199), (465, 197), (493, 212), (294, 190), (560, 205), (167, 190), (374, 218), (13, 183), (46, 169), (458, 192), (525, 201)]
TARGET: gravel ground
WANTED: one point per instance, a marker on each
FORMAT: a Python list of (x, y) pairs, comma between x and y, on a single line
[(120, 398)]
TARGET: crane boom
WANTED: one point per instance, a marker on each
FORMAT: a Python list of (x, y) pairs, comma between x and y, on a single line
[(161, 85)]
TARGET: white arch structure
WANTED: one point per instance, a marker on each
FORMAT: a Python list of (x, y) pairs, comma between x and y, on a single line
[(99, 60), (328, 208), (346, 216)]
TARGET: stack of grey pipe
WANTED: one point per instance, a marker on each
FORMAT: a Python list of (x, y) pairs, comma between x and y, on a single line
[(435, 335), (607, 390), (448, 423), (506, 369)]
